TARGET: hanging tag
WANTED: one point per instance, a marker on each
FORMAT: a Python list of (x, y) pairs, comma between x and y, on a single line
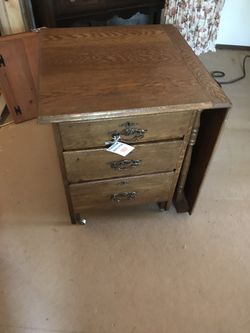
[(120, 148), (115, 139)]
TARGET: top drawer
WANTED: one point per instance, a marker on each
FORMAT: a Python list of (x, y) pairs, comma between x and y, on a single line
[(81, 135)]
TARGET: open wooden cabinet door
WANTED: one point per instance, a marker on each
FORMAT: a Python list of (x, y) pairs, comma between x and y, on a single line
[(19, 74)]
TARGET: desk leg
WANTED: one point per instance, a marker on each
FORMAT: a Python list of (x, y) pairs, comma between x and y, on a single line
[(59, 147), (163, 205)]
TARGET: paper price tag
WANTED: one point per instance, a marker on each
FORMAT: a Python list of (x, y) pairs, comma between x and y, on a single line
[(120, 148)]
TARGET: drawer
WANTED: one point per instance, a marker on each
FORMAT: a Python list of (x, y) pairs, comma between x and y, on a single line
[(138, 129), (121, 191), (99, 164), (69, 7)]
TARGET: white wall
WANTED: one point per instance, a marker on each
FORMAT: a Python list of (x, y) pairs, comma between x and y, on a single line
[(235, 23)]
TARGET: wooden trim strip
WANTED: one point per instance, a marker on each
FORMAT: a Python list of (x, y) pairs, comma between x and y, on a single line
[(120, 113), (58, 140)]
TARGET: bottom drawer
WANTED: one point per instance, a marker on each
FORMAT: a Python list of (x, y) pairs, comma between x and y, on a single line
[(121, 191)]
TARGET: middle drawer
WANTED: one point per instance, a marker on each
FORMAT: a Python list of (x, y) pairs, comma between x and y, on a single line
[(96, 164)]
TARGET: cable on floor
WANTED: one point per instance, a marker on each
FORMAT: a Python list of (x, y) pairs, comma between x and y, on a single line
[(220, 74)]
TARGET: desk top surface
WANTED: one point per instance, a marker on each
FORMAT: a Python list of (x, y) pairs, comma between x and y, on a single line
[(105, 72)]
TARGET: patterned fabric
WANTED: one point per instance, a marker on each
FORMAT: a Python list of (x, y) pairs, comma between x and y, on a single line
[(197, 20)]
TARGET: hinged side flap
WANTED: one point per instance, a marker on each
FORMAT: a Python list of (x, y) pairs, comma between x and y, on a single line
[(210, 128), (19, 74)]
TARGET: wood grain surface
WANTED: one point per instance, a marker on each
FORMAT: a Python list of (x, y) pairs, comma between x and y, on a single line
[(149, 188), (95, 134), (88, 71), (100, 164), (210, 87)]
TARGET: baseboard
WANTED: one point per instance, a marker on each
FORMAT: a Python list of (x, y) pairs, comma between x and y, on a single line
[(232, 47)]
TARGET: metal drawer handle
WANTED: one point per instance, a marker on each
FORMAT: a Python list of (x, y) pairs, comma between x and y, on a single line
[(124, 164), (117, 197), (130, 130)]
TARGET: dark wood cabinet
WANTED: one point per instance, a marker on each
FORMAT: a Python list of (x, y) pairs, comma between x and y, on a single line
[(67, 13)]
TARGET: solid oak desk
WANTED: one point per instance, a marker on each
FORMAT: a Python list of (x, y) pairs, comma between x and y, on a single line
[(142, 83)]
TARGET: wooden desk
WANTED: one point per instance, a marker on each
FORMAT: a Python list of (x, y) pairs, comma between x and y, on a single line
[(144, 84)]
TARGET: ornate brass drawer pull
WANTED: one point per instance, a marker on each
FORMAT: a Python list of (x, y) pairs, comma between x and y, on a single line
[(130, 130), (117, 197), (124, 164)]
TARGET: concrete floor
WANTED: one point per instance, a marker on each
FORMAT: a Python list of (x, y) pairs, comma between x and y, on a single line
[(136, 270)]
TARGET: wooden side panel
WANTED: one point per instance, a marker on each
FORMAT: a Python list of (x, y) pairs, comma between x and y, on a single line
[(179, 199), (210, 128), (19, 74)]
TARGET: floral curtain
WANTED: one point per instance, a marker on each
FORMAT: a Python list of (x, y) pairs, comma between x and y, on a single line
[(197, 20)]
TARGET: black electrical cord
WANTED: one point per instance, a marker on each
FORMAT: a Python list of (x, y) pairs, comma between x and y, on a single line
[(219, 74)]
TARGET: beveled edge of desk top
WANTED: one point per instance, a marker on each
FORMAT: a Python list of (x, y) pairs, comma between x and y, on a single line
[(92, 116)]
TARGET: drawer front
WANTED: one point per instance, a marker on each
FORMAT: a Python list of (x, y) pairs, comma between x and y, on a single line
[(99, 164), (67, 7), (83, 135), (121, 191)]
